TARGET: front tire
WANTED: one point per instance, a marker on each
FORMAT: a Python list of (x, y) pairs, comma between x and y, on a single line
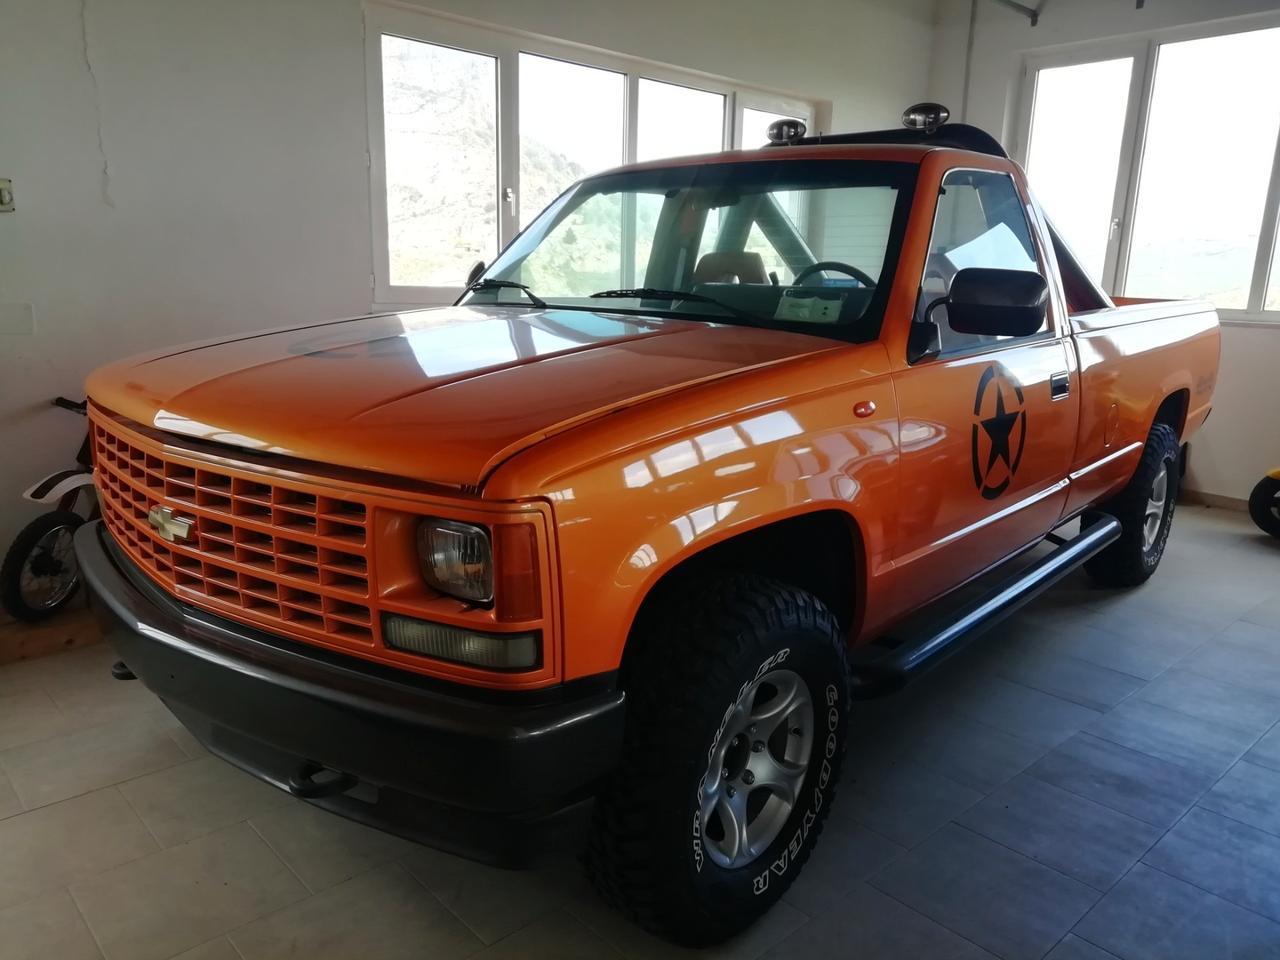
[(738, 704), (1264, 505), (39, 574), (1145, 511)]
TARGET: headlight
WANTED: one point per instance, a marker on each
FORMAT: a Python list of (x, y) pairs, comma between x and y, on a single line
[(457, 559)]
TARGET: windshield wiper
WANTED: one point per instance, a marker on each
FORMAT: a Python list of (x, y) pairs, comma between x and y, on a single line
[(490, 284), (653, 293)]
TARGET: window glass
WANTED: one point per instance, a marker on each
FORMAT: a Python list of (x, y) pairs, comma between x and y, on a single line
[(979, 222), (774, 264), (855, 226), (463, 114), (675, 121), (755, 134), (440, 119), (584, 251), (1206, 163), (1073, 155), (571, 125), (645, 208), (717, 232)]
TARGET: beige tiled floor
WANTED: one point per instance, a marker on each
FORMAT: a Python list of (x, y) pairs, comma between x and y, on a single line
[(1095, 774)]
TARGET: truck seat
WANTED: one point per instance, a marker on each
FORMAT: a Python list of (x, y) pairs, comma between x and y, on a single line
[(729, 267)]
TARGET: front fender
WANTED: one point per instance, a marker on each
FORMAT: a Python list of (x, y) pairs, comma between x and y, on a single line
[(57, 485), (625, 522)]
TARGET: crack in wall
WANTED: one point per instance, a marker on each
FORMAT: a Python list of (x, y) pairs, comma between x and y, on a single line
[(105, 177)]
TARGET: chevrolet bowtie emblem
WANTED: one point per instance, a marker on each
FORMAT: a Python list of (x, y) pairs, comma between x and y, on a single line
[(167, 525)]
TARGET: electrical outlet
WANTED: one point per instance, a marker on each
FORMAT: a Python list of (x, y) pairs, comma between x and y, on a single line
[(6, 196)]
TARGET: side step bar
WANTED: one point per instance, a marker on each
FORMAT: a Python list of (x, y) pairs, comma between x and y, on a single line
[(910, 656)]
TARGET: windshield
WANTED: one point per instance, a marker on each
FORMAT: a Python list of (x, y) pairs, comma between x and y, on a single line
[(805, 245)]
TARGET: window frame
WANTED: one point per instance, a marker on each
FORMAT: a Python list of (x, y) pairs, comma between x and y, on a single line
[(1138, 50), (1051, 329), (505, 45), (1145, 49)]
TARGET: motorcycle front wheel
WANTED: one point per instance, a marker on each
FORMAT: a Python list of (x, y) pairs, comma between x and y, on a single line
[(40, 574)]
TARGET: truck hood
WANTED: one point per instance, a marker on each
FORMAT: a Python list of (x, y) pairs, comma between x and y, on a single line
[(441, 395)]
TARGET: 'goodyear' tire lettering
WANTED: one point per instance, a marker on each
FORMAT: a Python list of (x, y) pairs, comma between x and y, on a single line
[(791, 851)]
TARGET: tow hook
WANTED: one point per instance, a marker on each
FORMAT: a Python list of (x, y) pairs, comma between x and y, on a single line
[(305, 785), (120, 670)]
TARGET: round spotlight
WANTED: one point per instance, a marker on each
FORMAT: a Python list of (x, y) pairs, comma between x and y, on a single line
[(925, 116), (786, 131)]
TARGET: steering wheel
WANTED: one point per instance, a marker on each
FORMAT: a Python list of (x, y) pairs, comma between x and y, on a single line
[(823, 265)]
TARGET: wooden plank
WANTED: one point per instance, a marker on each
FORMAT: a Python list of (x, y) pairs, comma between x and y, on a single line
[(67, 630)]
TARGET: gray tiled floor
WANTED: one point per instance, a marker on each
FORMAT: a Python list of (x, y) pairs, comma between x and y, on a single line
[(1097, 779)]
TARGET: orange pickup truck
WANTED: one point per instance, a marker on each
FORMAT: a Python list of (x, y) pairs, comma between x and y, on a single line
[(617, 539)]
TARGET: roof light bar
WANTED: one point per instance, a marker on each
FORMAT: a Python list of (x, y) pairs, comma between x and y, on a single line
[(925, 116), (786, 130)]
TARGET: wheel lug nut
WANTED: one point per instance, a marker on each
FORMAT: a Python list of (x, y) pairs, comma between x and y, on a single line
[(730, 791), (751, 729), (757, 747), (796, 731), (748, 777), (724, 772)]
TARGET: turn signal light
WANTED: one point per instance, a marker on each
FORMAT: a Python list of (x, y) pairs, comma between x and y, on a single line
[(493, 651), (517, 590)]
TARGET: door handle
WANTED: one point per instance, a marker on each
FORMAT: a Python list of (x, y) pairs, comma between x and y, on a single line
[(1059, 386)]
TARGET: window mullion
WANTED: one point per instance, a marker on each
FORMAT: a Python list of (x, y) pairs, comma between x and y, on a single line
[(377, 153), (1132, 154), (631, 118), (507, 189), (730, 120), (1266, 238), (631, 135)]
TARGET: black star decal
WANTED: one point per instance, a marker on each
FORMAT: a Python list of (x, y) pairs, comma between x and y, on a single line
[(998, 429)]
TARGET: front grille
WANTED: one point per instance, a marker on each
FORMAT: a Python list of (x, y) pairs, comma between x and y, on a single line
[(282, 555)]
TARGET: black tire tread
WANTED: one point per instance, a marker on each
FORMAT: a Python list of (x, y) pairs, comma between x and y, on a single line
[(1122, 564), (1262, 505), (683, 653), (11, 568)]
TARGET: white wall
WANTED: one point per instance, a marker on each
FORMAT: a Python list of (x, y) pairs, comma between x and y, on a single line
[(184, 169), (1242, 438), (865, 56), (234, 194)]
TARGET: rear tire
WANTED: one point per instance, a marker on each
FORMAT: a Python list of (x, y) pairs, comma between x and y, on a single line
[(1264, 505), (703, 751), (1145, 511), (39, 553)]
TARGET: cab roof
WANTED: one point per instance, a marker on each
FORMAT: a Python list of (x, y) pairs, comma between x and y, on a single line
[(959, 136), (903, 145)]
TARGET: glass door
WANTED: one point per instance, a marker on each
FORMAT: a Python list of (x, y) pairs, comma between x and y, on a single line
[(1209, 152), (440, 124), (1077, 148), (572, 124)]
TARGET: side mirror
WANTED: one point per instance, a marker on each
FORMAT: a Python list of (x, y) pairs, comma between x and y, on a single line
[(996, 303), (476, 272)]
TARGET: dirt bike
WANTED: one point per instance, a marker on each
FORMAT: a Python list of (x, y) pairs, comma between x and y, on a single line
[(39, 574), (1264, 503)]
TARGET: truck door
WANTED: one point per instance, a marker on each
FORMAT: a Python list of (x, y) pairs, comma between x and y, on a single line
[(988, 425)]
